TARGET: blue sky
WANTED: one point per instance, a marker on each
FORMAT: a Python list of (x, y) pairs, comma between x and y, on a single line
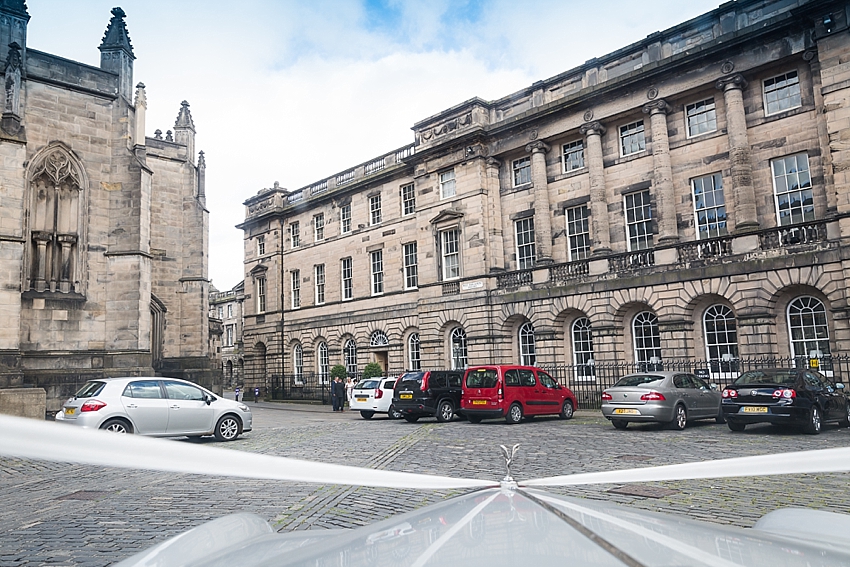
[(295, 91)]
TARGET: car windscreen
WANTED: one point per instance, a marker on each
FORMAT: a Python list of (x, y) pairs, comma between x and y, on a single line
[(90, 389), (367, 384), (484, 378), (777, 376), (639, 380)]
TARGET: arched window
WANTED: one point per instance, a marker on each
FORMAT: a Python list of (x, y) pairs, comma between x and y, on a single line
[(526, 345), (458, 346), (583, 348), (721, 333), (647, 339), (349, 353), (298, 364), (413, 354), (378, 338), (808, 328), (324, 362)]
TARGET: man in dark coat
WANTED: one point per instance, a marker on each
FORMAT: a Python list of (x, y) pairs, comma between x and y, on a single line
[(338, 394)]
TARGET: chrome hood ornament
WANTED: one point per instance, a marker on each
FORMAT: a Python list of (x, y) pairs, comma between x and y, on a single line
[(509, 456)]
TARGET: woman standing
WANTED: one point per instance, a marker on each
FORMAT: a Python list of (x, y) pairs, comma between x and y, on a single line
[(349, 389)]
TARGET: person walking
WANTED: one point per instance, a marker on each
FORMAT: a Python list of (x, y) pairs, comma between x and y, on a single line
[(337, 394)]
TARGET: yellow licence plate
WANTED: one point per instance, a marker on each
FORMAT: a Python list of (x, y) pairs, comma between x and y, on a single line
[(362, 399), (479, 402), (621, 411), (754, 409), (406, 396), (69, 411)]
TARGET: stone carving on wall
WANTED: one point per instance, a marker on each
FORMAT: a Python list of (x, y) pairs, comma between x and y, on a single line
[(261, 206), (11, 122), (446, 127)]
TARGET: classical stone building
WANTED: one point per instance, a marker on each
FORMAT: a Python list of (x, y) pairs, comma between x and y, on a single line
[(226, 307), (103, 232), (685, 197)]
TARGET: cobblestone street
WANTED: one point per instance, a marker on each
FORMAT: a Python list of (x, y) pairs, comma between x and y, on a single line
[(57, 514)]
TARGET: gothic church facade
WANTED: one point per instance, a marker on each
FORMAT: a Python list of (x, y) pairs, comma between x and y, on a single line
[(103, 231)]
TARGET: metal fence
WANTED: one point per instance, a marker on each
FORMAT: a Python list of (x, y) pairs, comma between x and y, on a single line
[(588, 381)]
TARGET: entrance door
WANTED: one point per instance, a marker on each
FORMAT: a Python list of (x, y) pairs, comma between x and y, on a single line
[(382, 358)]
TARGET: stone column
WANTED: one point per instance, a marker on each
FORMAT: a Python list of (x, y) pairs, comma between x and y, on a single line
[(65, 275), (743, 195), (494, 202), (542, 213), (41, 240), (662, 174), (600, 229)]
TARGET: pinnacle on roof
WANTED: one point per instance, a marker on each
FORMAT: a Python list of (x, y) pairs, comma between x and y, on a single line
[(184, 118), (17, 7), (116, 33)]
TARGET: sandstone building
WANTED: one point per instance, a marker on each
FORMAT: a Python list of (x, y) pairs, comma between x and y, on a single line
[(226, 307), (685, 197), (103, 231)]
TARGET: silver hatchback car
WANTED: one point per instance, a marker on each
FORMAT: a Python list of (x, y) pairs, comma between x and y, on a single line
[(661, 397), (160, 407)]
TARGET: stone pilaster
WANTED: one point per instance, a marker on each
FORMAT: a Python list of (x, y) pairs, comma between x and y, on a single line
[(542, 212), (494, 203), (662, 171), (743, 194), (600, 228)]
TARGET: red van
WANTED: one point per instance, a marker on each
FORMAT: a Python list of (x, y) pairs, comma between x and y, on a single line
[(513, 392)]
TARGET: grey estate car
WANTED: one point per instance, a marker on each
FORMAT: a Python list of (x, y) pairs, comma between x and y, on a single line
[(160, 407), (661, 397)]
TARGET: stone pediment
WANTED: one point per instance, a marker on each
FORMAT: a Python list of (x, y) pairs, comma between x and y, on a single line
[(447, 215), (258, 270)]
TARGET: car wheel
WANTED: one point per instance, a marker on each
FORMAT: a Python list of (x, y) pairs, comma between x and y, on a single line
[(367, 414), (514, 414), (394, 413), (116, 426), (813, 426), (227, 428), (445, 411), (619, 423), (566, 410), (411, 418), (680, 419), (846, 421), (735, 426), (473, 419), (720, 417)]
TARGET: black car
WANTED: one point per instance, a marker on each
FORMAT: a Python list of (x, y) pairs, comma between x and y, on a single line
[(796, 396), (428, 393)]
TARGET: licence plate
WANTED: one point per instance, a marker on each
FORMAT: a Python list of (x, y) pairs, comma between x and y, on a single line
[(622, 411), (479, 402), (69, 411), (754, 409), (406, 396), (362, 399)]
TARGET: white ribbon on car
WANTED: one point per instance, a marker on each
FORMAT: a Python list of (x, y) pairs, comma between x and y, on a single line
[(47, 441)]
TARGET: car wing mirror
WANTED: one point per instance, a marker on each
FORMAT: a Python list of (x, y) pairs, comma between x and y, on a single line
[(208, 399), (715, 387), (839, 385)]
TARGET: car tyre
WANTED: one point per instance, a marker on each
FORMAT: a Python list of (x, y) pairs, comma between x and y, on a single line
[(394, 413), (473, 419), (366, 414), (680, 419), (227, 428), (567, 410), (411, 418), (619, 423), (736, 426), (116, 426), (514, 414), (720, 417), (815, 422), (445, 411)]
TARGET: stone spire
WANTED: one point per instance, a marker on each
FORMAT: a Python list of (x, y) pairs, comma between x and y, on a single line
[(13, 28), (184, 129), (116, 35), (116, 53), (202, 177)]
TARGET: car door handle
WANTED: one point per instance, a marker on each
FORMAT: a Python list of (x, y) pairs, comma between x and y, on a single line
[(175, 407), (132, 406)]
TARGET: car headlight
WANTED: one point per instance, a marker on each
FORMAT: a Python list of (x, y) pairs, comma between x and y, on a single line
[(244, 408)]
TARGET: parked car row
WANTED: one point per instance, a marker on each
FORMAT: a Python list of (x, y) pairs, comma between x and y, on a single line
[(794, 396), (482, 392)]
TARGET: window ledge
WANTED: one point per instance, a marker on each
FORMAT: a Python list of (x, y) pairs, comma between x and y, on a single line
[(53, 295)]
